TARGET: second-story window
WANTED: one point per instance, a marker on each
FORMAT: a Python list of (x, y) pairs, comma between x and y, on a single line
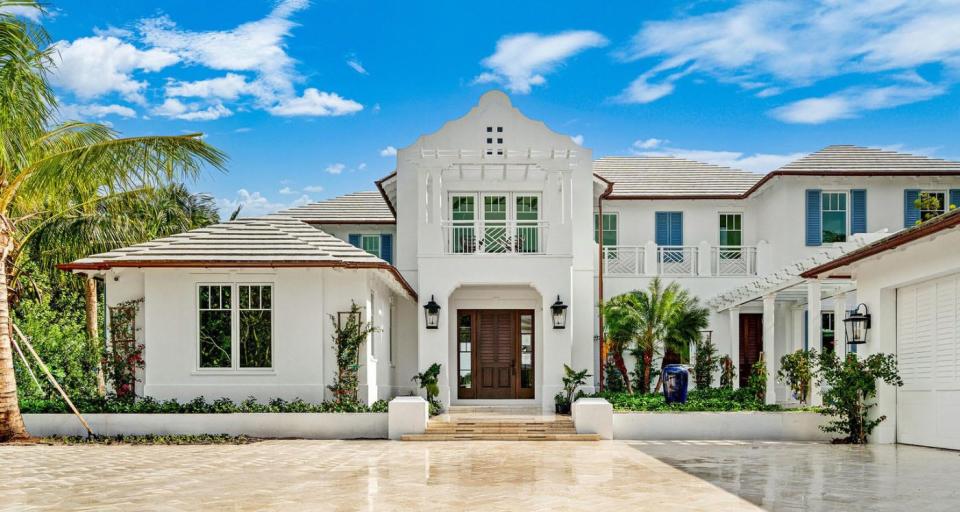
[(609, 229), (931, 203), (834, 217), (494, 222), (731, 229)]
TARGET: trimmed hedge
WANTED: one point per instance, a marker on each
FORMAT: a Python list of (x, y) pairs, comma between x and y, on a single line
[(152, 439), (712, 399), (147, 405)]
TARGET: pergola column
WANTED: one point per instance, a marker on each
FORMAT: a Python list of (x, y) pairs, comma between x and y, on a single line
[(769, 356), (839, 336), (735, 345), (796, 340), (814, 333)]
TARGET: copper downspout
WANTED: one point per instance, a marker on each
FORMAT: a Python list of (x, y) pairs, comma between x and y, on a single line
[(603, 345)]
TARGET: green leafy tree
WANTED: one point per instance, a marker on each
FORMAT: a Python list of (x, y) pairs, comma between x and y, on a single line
[(615, 381), (685, 324), (45, 165), (851, 391), (929, 204), (757, 381), (797, 371), (623, 322)]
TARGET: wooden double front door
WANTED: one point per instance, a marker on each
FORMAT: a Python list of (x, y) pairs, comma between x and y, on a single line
[(495, 356)]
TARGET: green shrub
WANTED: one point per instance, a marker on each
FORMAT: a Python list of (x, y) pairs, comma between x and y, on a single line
[(706, 364), (152, 439), (757, 381), (613, 378), (705, 399), (797, 371), (852, 386), (727, 374), (199, 405)]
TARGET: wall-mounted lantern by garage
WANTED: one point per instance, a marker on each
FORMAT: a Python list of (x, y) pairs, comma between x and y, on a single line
[(857, 325)]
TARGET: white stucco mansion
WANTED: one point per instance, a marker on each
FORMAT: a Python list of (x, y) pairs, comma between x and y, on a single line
[(495, 218)]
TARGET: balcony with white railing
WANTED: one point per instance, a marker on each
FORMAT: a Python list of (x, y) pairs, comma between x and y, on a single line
[(494, 237), (702, 260), (728, 260), (623, 260), (677, 260)]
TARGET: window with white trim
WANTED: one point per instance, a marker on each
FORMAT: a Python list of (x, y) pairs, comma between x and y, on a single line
[(371, 244), (931, 203), (241, 312), (834, 218)]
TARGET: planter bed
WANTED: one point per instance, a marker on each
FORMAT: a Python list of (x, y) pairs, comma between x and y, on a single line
[(366, 425), (739, 426)]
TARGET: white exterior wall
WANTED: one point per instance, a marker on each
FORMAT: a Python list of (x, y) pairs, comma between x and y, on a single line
[(535, 159), (304, 362), (877, 281)]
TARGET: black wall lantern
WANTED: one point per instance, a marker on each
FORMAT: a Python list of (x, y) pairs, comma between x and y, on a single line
[(559, 314), (431, 312), (857, 324)]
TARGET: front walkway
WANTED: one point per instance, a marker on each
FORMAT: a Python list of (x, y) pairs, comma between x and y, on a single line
[(488, 476)]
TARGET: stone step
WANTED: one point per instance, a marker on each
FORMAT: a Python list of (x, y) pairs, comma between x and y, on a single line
[(500, 437), (499, 431)]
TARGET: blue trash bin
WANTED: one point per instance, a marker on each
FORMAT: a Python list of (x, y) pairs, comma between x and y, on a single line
[(675, 378)]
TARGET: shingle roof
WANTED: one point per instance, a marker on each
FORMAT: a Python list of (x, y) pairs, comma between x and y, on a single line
[(359, 207), (854, 159), (272, 238), (668, 176)]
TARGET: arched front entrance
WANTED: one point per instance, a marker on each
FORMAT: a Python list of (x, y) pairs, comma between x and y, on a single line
[(495, 342)]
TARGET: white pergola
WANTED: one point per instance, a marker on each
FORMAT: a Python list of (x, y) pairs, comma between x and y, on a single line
[(787, 286)]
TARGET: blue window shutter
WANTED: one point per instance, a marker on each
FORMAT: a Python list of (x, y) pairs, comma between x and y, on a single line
[(354, 239), (662, 234), (954, 198), (910, 212), (814, 232), (676, 228), (858, 211), (386, 248)]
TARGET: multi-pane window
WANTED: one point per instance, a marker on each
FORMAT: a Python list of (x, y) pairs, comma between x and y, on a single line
[(931, 203), (495, 227), (216, 326), (241, 312), (527, 214), (255, 317), (609, 229), (463, 213), (371, 244), (834, 216), (731, 229)]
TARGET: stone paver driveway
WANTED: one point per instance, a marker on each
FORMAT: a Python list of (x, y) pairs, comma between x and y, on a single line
[(381, 475)]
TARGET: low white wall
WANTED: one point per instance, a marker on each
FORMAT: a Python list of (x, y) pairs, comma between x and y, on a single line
[(734, 426), (267, 425)]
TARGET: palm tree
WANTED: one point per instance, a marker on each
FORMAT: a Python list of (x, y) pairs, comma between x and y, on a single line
[(45, 167), (688, 321), (105, 224), (622, 323)]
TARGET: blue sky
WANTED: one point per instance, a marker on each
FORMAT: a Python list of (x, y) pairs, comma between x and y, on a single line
[(307, 97)]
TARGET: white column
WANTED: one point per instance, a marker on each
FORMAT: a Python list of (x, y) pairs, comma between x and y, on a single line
[(796, 343), (769, 354), (839, 336), (735, 345), (814, 332)]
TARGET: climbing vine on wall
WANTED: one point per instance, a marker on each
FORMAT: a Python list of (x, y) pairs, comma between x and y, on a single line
[(349, 333), (125, 356)]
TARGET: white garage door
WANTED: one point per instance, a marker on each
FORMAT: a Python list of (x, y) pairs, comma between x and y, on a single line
[(928, 351)]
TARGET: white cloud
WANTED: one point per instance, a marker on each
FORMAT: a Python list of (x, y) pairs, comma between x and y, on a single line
[(756, 162), (91, 67), (388, 151), (849, 102), (175, 109), (94, 111), (287, 191), (23, 11), (255, 203), (773, 46), (521, 60), (577, 139), (243, 129), (313, 189), (357, 66), (111, 31), (335, 168), (316, 103), (361, 166), (648, 143), (228, 87)]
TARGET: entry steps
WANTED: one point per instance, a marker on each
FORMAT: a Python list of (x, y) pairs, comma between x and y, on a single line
[(467, 423)]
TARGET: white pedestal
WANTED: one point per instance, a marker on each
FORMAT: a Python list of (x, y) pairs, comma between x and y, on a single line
[(407, 415), (593, 416)]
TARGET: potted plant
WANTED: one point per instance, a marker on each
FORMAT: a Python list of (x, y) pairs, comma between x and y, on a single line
[(428, 381), (572, 380)]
